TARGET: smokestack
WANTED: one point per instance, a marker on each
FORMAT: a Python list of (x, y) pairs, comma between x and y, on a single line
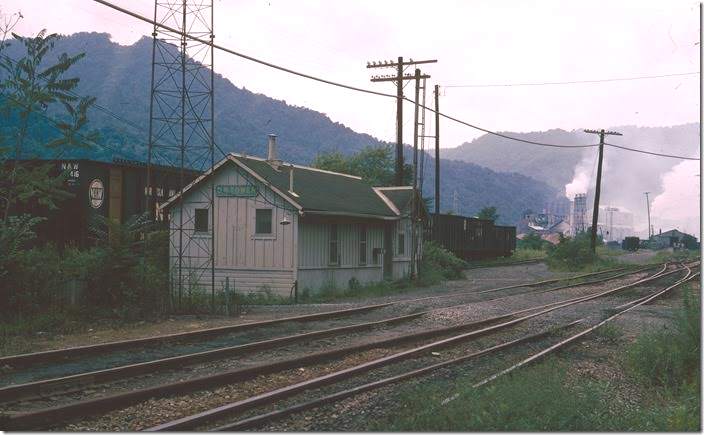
[(271, 155)]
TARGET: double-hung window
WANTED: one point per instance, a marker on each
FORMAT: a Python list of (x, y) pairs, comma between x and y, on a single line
[(362, 245), (201, 220), (333, 256), (263, 221), (401, 243)]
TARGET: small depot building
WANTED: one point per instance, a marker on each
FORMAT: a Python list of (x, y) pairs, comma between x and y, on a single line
[(279, 225)]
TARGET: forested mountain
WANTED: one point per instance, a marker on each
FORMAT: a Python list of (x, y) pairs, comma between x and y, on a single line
[(120, 76)]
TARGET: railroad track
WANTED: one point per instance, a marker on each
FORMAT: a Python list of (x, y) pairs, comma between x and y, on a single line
[(29, 359), (513, 263), (38, 418), (76, 382), (205, 418)]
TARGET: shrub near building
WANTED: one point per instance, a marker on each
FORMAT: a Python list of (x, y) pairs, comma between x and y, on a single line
[(575, 253)]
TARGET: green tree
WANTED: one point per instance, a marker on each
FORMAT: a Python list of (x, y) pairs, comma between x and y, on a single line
[(30, 87), (376, 165), (488, 213)]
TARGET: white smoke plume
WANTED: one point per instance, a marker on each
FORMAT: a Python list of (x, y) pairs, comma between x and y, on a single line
[(582, 179), (678, 205)]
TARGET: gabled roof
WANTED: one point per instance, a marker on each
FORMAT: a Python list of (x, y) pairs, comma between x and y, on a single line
[(672, 233), (400, 197), (314, 190)]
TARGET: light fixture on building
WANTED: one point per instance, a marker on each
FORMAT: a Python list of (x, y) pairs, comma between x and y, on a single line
[(285, 221)]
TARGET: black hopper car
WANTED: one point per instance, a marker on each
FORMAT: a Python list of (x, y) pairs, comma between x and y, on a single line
[(471, 238)]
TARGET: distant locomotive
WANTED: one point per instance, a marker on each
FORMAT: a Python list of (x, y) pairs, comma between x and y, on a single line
[(471, 238)]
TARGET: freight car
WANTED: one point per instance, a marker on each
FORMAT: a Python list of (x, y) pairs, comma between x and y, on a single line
[(117, 190), (471, 238)]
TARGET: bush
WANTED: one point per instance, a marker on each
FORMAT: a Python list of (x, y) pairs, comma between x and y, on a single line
[(531, 241), (33, 278), (438, 259), (573, 253)]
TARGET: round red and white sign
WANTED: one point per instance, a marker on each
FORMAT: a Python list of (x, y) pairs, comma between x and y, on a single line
[(96, 193)]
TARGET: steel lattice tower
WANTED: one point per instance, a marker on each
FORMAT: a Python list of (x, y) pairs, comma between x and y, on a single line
[(181, 127)]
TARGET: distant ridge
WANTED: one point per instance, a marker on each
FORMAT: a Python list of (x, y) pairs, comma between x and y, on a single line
[(120, 76)]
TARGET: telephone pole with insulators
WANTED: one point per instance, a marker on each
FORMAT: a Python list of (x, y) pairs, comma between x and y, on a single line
[(399, 78), (597, 193)]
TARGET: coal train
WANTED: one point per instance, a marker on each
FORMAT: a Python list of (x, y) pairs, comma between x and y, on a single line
[(471, 238)]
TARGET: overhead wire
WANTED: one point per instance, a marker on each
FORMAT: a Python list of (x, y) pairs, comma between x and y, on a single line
[(368, 91), (650, 152), (319, 79), (353, 88), (572, 82)]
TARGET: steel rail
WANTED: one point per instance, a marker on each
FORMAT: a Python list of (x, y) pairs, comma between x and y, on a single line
[(194, 420), (542, 353), (261, 419), (530, 284), (71, 383), (52, 355), (254, 421), (56, 354), (38, 418)]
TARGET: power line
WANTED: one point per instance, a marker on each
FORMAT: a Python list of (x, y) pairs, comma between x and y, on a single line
[(622, 79), (651, 152), (354, 88), (311, 77)]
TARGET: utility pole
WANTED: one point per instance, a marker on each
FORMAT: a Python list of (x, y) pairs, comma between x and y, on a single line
[(399, 77), (597, 193), (437, 149), (414, 206), (647, 204)]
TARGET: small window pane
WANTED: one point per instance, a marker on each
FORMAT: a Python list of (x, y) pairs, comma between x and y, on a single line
[(362, 244), (333, 254), (201, 220), (263, 218)]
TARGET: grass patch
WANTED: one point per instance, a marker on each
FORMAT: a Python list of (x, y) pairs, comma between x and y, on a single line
[(331, 293), (663, 365), (670, 357), (679, 255), (535, 399), (520, 254)]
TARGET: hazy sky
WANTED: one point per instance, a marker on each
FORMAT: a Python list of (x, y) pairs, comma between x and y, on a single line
[(475, 42)]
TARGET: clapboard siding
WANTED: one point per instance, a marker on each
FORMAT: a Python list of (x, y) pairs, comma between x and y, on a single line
[(314, 243), (254, 262), (298, 252), (243, 281), (314, 279)]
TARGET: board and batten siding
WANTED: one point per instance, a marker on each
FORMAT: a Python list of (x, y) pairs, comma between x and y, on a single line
[(402, 261), (252, 262), (316, 271)]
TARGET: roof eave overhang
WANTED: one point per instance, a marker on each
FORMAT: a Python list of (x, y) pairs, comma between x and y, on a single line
[(233, 159), (345, 214)]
